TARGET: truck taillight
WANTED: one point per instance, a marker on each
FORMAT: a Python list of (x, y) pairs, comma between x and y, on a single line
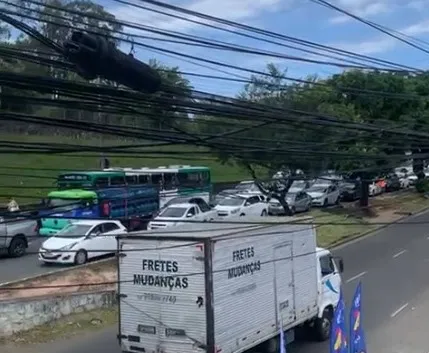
[(200, 247)]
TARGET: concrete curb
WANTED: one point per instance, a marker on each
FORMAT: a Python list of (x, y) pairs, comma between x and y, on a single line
[(54, 272)]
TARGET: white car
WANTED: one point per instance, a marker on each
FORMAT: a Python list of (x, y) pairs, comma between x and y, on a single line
[(181, 213), (248, 186), (242, 205), (405, 182), (80, 241), (375, 189), (324, 194)]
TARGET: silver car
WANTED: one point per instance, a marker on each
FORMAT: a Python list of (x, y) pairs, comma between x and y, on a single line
[(297, 202), (14, 234)]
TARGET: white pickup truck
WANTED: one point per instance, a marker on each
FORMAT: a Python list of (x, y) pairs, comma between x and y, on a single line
[(224, 287), (14, 234), (182, 213)]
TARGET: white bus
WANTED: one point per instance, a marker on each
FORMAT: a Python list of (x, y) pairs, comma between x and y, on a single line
[(173, 180)]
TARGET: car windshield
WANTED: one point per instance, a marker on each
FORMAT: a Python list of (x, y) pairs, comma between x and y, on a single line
[(244, 186), (173, 212), (74, 231), (316, 188), (298, 184), (64, 204), (231, 201), (177, 200)]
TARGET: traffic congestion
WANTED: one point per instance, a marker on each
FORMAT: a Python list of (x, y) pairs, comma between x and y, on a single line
[(76, 223)]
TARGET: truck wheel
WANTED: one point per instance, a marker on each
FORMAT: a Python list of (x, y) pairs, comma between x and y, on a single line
[(17, 247), (81, 257), (322, 326)]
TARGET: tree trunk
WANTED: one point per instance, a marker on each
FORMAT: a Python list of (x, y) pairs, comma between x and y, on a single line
[(364, 194)]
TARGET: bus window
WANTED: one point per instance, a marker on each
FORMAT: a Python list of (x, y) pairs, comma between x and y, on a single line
[(157, 179), (143, 179), (131, 179), (102, 182), (170, 181), (205, 176), (117, 180)]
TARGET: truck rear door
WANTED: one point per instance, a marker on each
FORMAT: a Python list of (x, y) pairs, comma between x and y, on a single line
[(162, 296)]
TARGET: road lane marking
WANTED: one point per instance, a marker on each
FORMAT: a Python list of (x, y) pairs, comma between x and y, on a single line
[(396, 312), (399, 253), (351, 279)]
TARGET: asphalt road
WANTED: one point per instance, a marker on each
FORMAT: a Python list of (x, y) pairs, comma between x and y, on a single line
[(16, 268), (393, 266)]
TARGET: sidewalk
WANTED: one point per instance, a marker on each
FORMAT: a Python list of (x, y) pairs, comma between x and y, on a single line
[(103, 341)]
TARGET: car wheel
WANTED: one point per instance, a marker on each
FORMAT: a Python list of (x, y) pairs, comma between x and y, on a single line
[(81, 257), (337, 201), (292, 210), (264, 213), (325, 203), (242, 215), (17, 247)]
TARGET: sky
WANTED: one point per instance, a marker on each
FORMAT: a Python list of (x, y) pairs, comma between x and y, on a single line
[(298, 18)]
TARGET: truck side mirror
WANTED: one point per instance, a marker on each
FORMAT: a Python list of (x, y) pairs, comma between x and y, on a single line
[(341, 265)]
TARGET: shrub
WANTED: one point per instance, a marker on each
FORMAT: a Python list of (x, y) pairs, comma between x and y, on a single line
[(422, 185)]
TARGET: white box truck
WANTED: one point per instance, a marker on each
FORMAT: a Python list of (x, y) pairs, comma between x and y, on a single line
[(223, 287)]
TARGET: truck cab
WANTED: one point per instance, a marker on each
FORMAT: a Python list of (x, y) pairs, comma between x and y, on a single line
[(329, 269)]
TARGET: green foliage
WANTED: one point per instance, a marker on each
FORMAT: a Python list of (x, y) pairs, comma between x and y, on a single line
[(422, 185)]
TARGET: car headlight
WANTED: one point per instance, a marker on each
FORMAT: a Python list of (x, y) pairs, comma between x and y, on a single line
[(68, 247), (235, 211)]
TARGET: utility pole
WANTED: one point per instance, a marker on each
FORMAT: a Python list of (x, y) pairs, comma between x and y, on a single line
[(100, 117)]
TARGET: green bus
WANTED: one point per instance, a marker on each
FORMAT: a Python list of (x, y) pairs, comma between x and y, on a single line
[(173, 180), (90, 179), (133, 205)]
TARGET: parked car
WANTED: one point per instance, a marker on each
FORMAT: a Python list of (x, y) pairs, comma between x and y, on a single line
[(242, 205), (392, 183), (81, 241), (247, 186), (297, 201), (14, 234), (350, 191), (405, 182), (181, 213), (299, 185), (324, 195), (412, 177), (381, 182), (374, 189), (189, 199)]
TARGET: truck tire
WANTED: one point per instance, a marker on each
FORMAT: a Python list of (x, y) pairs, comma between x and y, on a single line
[(17, 246), (322, 326), (81, 257)]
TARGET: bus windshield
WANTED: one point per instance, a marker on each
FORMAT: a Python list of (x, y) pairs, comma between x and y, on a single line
[(64, 204)]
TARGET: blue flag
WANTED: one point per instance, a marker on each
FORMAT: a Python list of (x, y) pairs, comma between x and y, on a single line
[(357, 336), (338, 342)]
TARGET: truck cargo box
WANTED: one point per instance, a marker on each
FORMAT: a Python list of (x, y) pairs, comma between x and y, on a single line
[(215, 287)]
